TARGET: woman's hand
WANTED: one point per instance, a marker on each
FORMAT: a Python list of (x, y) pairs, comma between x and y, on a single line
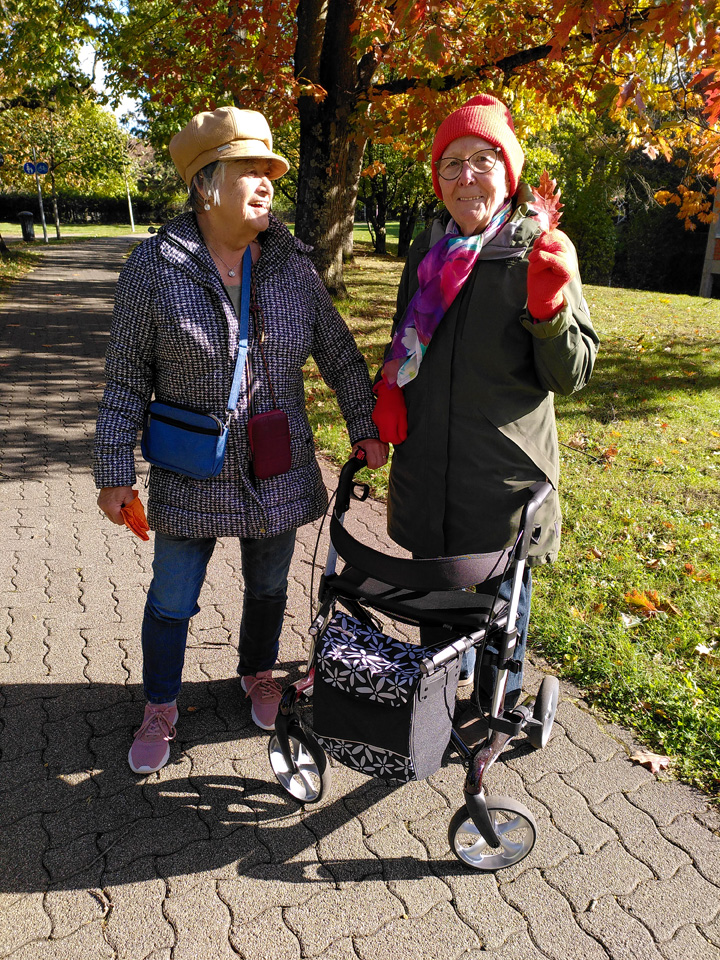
[(375, 450), (111, 499), (390, 413), (551, 266)]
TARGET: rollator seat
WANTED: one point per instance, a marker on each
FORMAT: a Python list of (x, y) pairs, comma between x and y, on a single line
[(458, 609)]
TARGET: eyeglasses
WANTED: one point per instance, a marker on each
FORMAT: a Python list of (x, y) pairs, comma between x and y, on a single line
[(450, 168)]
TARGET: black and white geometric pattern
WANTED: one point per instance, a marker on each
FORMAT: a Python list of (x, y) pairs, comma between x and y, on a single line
[(367, 664), (373, 761), (175, 333)]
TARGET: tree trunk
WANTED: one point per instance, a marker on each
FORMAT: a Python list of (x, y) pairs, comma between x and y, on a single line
[(4, 249), (328, 151), (408, 219), (356, 152)]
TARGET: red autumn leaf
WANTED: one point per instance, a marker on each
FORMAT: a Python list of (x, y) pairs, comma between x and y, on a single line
[(546, 202)]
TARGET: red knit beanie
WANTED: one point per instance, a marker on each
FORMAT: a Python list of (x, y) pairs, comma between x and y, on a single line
[(483, 116)]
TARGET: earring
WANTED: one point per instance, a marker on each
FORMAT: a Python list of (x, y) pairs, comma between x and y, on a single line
[(206, 206)]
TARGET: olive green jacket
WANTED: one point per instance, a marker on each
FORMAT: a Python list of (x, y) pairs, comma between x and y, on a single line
[(481, 419)]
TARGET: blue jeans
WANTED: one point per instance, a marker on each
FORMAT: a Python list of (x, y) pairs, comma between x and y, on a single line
[(179, 567), (485, 676)]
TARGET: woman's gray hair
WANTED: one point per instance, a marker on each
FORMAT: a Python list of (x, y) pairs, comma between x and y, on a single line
[(210, 178)]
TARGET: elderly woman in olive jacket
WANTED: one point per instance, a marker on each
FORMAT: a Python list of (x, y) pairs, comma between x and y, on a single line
[(468, 403)]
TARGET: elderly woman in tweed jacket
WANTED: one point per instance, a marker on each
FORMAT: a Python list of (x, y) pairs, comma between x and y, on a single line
[(175, 334)]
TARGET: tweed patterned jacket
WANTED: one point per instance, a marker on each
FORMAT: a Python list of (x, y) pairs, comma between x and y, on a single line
[(174, 333)]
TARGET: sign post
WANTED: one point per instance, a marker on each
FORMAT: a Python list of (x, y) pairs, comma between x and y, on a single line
[(36, 170)]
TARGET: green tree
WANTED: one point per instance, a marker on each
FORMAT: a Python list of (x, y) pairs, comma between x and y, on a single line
[(393, 184), (85, 149)]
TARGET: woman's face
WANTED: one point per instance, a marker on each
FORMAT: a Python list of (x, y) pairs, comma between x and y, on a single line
[(246, 194), (474, 198)]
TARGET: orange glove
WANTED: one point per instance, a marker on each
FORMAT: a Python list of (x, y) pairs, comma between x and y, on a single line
[(551, 266), (133, 514), (390, 413)]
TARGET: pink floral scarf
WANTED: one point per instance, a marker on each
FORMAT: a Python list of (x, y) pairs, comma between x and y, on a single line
[(441, 274)]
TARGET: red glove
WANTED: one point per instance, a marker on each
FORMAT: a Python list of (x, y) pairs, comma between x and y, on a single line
[(551, 267), (390, 413)]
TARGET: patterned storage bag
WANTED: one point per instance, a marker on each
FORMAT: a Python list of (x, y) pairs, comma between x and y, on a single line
[(373, 710)]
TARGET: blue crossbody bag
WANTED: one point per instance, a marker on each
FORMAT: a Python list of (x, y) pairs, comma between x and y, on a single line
[(188, 441)]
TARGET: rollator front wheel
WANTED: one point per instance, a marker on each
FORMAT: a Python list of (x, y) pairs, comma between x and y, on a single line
[(512, 822), (544, 712), (308, 776)]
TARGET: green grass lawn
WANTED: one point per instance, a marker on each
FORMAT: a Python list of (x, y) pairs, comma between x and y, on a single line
[(630, 611), (12, 231)]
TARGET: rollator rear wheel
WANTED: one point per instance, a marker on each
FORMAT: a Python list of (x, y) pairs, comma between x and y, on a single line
[(544, 712), (308, 777), (512, 822)]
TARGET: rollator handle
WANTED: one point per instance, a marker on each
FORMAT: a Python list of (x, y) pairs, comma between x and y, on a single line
[(344, 490), (540, 492)]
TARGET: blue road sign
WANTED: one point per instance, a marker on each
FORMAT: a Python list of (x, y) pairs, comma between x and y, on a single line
[(42, 167), (29, 167)]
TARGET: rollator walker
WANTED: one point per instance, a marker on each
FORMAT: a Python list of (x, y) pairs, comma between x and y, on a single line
[(385, 706)]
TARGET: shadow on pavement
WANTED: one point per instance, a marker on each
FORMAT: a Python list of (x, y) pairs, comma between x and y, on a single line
[(73, 814)]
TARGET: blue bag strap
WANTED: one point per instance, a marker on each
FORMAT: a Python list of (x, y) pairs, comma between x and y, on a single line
[(243, 336)]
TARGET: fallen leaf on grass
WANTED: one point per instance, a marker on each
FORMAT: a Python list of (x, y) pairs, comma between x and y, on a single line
[(655, 762), (705, 651), (650, 603), (594, 554), (578, 441), (701, 576)]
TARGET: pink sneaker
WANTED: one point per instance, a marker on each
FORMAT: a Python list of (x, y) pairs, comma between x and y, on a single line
[(151, 747), (264, 693)]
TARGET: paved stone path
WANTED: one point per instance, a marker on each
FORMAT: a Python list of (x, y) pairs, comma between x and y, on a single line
[(209, 858)]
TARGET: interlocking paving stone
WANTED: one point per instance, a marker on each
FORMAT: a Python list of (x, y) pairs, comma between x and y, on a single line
[(597, 781), (479, 901), (552, 924), (73, 908), (518, 946), (267, 938), (585, 878), (641, 837), (200, 920), (571, 814), (621, 935), (666, 800), (438, 934), (689, 944), (137, 924), (87, 941), (30, 921), (332, 915), (700, 844), (666, 905), (560, 755)]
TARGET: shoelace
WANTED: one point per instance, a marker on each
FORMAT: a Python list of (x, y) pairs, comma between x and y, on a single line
[(267, 687), (157, 726)]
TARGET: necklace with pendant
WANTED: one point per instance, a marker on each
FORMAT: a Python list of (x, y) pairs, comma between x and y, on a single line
[(230, 270)]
